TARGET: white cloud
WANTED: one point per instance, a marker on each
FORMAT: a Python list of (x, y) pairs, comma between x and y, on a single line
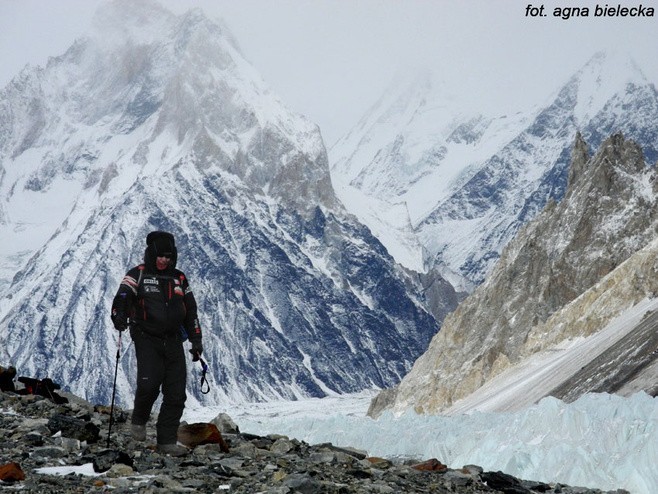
[(331, 59)]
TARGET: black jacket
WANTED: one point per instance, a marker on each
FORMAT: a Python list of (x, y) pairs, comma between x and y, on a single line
[(160, 303)]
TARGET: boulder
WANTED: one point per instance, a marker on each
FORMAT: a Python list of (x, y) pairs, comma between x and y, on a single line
[(74, 428), (225, 424)]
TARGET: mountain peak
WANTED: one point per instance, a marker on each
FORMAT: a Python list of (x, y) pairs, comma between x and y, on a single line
[(606, 74), (155, 122), (170, 82), (618, 63), (470, 189), (137, 20), (388, 148)]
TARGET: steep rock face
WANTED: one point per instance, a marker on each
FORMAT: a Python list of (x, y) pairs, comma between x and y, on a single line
[(607, 214), (156, 122)]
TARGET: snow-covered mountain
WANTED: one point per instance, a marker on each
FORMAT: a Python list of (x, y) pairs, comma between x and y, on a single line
[(469, 179), (155, 121), (566, 275)]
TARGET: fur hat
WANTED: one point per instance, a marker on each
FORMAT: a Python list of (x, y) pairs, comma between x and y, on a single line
[(160, 244)]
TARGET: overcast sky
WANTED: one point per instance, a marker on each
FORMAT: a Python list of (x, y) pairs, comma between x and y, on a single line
[(332, 59)]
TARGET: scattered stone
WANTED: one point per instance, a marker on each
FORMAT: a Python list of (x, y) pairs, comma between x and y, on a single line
[(33, 439), (118, 416), (472, 469), (352, 452), (458, 478), (504, 483), (380, 463), (302, 482), (105, 460), (282, 446), (119, 470), (67, 443), (324, 456), (49, 452)]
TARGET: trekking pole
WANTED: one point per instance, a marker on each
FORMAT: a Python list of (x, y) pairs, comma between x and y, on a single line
[(114, 390)]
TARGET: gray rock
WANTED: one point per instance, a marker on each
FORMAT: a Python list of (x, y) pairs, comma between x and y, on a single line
[(74, 428), (225, 424), (49, 452)]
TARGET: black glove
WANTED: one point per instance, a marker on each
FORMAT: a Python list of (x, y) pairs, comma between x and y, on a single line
[(120, 323), (196, 350)]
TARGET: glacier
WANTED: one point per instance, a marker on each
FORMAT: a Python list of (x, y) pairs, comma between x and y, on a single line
[(600, 441)]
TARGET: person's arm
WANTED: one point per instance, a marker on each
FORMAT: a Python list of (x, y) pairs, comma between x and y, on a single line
[(124, 299), (192, 326)]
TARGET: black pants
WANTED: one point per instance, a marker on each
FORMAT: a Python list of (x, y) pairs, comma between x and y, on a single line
[(160, 362)]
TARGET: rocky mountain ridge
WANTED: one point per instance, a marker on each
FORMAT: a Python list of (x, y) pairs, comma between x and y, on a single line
[(567, 273)]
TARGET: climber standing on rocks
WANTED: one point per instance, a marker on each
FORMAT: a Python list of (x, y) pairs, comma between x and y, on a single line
[(155, 301)]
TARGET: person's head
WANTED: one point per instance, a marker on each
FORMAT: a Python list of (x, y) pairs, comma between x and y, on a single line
[(161, 253)]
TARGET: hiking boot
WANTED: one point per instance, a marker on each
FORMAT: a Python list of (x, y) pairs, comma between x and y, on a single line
[(138, 432), (172, 449)]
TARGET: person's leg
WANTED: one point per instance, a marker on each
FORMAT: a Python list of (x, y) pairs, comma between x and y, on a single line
[(173, 393), (150, 374)]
